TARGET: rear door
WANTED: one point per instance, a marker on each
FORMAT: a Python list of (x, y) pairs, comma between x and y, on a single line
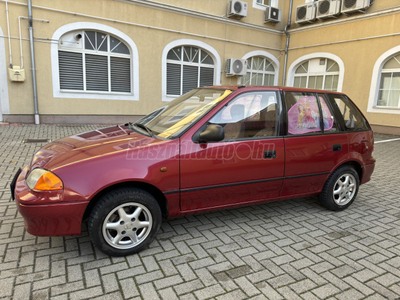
[(246, 166), (314, 141)]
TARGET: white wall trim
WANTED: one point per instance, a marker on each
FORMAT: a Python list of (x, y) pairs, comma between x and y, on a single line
[(375, 81), (87, 95), (188, 42), (4, 100), (269, 56), (300, 60)]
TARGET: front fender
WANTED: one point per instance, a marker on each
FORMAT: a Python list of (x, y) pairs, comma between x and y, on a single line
[(157, 165)]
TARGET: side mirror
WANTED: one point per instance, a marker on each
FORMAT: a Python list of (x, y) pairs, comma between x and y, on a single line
[(212, 133)]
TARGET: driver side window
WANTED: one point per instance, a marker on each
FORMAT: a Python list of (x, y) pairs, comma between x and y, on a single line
[(250, 115)]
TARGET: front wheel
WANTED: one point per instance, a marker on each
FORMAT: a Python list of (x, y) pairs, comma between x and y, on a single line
[(341, 188), (124, 221)]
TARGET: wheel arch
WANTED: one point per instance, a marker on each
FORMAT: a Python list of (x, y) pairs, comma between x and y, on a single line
[(152, 190), (356, 165)]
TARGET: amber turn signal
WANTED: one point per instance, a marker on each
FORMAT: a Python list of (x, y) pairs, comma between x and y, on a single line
[(43, 180), (49, 182)]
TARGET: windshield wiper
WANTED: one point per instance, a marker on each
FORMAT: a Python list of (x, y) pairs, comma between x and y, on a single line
[(149, 131)]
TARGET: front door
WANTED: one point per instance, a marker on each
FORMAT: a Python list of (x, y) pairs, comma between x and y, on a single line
[(246, 166)]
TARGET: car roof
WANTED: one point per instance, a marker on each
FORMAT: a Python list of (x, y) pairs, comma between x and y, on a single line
[(269, 88)]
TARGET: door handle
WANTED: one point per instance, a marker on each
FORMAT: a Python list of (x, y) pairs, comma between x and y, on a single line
[(337, 148), (270, 154)]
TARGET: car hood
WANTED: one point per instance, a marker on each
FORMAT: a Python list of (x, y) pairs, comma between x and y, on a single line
[(88, 145)]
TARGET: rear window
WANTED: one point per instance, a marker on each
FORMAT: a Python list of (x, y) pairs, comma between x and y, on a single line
[(352, 117)]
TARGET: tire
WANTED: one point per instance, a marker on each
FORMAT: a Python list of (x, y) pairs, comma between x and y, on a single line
[(341, 188), (124, 221)]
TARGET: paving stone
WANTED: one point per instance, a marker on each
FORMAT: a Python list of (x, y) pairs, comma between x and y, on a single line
[(209, 292), (150, 276), (92, 278), (129, 289), (236, 295), (148, 291), (6, 287), (325, 291), (283, 250), (110, 283), (247, 286), (38, 285), (86, 293), (21, 292), (188, 287), (66, 288)]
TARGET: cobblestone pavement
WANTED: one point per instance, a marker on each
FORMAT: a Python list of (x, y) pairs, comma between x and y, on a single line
[(284, 250)]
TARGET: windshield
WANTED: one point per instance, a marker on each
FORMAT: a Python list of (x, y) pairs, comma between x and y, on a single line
[(173, 119)]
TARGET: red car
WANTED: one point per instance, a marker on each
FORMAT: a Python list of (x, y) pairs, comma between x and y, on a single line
[(212, 148)]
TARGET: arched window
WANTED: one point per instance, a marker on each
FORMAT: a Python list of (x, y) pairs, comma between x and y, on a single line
[(317, 73), (94, 61), (389, 87), (260, 71), (188, 67)]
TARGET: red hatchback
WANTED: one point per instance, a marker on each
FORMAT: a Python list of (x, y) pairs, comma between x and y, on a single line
[(211, 148)]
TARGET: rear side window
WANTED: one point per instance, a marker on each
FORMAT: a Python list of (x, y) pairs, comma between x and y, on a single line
[(352, 117), (302, 113)]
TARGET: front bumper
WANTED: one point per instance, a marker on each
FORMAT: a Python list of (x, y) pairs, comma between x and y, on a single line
[(44, 213)]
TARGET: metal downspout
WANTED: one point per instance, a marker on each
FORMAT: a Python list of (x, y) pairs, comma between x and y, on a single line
[(35, 98), (287, 42)]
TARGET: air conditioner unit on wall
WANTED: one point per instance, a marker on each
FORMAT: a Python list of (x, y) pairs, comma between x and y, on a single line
[(352, 6), (305, 13), (237, 8), (272, 14), (328, 8), (236, 67)]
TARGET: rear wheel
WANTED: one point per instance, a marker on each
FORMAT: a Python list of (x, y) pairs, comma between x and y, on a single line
[(124, 221), (341, 188)]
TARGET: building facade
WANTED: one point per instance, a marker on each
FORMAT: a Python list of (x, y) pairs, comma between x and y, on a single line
[(112, 61)]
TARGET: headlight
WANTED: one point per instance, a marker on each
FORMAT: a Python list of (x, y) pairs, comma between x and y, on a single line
[(43, 180)]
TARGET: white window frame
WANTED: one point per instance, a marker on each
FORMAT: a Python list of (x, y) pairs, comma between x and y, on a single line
[(267, 55), (57, 93), (193, 43), (4, 101), (274, 3), (293, 67), (376, 81), (309, 74)]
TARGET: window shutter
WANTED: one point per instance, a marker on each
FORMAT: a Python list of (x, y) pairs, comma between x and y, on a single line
[(96, 73), (120, 75), (173, 79), (190, 78), (71, 70), (206, 76)]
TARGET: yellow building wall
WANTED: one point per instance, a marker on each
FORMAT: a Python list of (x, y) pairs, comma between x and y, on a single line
[(150, 42), (358, 39)]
